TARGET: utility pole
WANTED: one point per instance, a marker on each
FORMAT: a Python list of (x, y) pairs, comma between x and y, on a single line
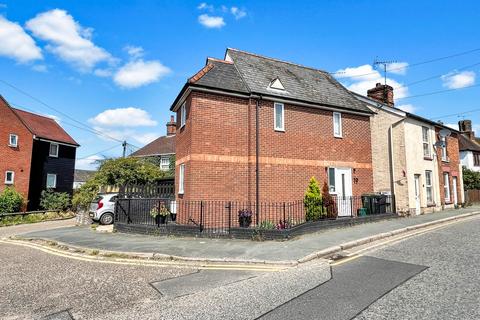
[(124, 145)]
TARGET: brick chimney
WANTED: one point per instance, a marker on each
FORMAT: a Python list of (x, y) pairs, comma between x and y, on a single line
[(465, 128), (382, 93), (171, 127)]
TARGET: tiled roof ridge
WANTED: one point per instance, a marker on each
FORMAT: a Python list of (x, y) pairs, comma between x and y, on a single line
[(201, 73)]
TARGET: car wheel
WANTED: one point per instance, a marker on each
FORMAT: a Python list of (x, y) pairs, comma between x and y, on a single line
[(107, 218)]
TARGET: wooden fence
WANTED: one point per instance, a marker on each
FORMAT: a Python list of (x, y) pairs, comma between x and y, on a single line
[(472, 196)]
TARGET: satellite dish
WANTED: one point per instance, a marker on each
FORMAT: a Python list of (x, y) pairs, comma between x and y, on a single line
[(439, 144), (445, 133)]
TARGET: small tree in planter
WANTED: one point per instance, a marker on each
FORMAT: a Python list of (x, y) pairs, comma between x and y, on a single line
[(245, 218), (313, 201), (328, 202), (160, 213)]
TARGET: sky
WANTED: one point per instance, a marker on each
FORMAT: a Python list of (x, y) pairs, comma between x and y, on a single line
[(109, 71)]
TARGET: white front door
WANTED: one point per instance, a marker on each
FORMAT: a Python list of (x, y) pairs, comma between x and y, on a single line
[(455, 195), (417, 194), (343, 188)]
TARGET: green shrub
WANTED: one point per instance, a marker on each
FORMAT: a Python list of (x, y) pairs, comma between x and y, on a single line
[(51, 200), (313, 201), (11, 201), (266, 225)]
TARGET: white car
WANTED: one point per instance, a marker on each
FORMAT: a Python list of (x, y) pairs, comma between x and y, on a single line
[(102, 210)]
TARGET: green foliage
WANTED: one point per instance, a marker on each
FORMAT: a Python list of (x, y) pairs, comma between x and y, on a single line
[(11, 201), (267, 225), (313, 201), (34, 217), (119, 171), (50, 200), (328, 202), (159, 210), (471, 179)]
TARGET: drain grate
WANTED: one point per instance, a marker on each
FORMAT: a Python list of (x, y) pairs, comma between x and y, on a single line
[(62, 315)]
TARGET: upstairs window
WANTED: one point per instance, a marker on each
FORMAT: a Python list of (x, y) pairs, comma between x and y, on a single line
[(426, 142), (476, 159), (53, 151), (13, 140), (51, 181), (9, 177), (165, 163), (279, 117), (444, 149), (337, 124), (183, 114)]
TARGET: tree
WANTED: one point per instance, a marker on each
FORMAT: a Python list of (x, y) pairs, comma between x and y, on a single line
[(313, 201), (471, 179), (114, 172)]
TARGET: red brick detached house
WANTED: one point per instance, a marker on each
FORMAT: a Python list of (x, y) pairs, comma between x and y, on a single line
[(308, 125), (35, 154)]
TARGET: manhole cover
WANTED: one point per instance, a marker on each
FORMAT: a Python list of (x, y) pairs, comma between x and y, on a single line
[(62, 315)]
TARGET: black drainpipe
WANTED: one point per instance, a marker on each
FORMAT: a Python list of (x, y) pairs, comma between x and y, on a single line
[(257, 167)]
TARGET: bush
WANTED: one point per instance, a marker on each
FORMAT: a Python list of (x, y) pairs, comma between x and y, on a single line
[(328, 202), (313, 201), (50, 200), (11, 201)]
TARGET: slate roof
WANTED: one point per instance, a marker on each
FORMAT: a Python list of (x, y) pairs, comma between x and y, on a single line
[(83, 175), (248, 73), (44, 127), (162, 145), (466, 144), (300, 82)]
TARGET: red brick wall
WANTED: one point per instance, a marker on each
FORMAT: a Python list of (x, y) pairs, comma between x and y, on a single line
[(14, 159), (217, 146), (451, 166)]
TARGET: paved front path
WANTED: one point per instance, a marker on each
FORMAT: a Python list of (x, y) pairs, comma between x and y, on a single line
[(30, 227), (233, 249)]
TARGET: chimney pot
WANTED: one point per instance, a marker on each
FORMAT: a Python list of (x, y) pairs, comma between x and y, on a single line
[(382, 93), (171, 126)]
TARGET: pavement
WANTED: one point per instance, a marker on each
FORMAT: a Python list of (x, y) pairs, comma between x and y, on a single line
[(232, 249), (430, 276)]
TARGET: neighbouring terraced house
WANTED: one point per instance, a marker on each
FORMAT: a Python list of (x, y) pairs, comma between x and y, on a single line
[(251, 127), (412, 157)]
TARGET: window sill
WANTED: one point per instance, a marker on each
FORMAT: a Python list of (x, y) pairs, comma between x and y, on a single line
[(430, 205), (181, 192), (9, 183), (338, 137), (13, 146), (428, 158), (279, 130), (446, 160)]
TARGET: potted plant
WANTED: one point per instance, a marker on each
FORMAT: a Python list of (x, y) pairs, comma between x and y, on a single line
[(244, 218), (173, 216), (160, 213)]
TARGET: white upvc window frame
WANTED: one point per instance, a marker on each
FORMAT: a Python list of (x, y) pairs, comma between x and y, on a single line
[(54, 175), (50, 154), (181, 179), (331, 180), (280, 127), (427, 152), (446, 187), (183, 114), (444, 149), (164, 166), (337, 127), (10, 144), (429, 186), (12, 180)]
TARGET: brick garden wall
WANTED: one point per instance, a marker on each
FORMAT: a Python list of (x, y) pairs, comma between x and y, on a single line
[(217, 145)]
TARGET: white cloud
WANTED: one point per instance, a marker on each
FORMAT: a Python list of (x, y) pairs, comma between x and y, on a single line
[(16, 43), (126, 134), (135, 74), (397, 67), (124, 117), (457, 80), (205, 6), (68, 39), (360, 79), (211, 21), (144, 138), (134, 52), (103, 73), (410, 108), (89, 163), (40, 68), (238, 13)]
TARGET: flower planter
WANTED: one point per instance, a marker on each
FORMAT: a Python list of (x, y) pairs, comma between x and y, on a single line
[(173, 216), (245, 222), (160, 219)]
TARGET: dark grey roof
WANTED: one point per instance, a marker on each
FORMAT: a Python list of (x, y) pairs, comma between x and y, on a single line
[(466, 144), (159, 146), (223, 75), (301, 83)]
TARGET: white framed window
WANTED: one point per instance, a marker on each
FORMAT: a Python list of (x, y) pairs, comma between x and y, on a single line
[(165, 163), (337, 124), (53, 151), (426, 142), (181, 179), (183, 114), (331, 180), (444, 149), (9, 177), (429, 186), (13, 140), (446, 186), (279, 113), (51, 180)]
